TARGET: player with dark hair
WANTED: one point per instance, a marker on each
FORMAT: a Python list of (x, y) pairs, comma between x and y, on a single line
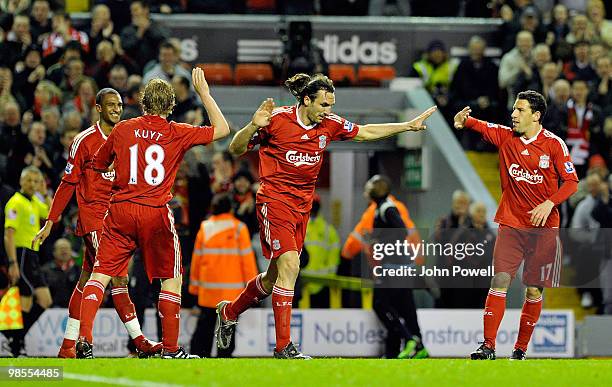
[(292, 140), (146, 153), (93, 192), (532, 161)]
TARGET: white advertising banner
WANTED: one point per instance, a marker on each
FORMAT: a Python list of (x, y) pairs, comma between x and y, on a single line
[(324, 332)]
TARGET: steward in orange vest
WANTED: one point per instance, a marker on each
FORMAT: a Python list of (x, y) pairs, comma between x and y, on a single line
[(222, 263)]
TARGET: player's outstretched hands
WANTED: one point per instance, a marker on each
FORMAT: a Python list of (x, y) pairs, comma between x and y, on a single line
[(539, 215), (199, 81), (461, 117), (417, 124), (263, 114), (42, 234)]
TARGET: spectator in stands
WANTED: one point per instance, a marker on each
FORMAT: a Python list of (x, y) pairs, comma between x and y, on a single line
[(528, 20), (602, 213), (436, 71), (548, 75), (596, 13), (84, 99), (580, 67), (530, 80), (582, 127), (168, 65), (475, 84), (61, 158), (61, 273), (187, 108), (56, 72), (28, 73), (40, 19), (73, 73), (62, 33), (51, 119), (323, 245), (141, 39), (16, 41), (516, 61), (7, 92), (223, 170), (10, 132), (222, 263), (45, 94), (72, 120), (14, 7), (108, 58), (102, 27), (559, 26), (243, 200), (602, 93), (583, 231), (131, 104), (445, 228), (118, 79), (580, 30)]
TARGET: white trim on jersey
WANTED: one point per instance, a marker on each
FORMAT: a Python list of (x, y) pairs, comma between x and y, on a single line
[(532, 139), (264, 212), (175, 239), (283, 109), (77, 140), (94, 240), (100, 130), (334, 117), (297, 115), (563, 144)]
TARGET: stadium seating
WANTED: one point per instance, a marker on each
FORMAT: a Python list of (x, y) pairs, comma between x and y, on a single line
[(370, 75), (218, 73), (342, 74), (260, 74)]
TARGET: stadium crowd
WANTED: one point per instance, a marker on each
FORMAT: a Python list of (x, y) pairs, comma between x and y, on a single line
[(50, 73)]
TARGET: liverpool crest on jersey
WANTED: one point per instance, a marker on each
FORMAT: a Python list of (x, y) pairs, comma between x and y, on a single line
[(544, 161), (322, 142)]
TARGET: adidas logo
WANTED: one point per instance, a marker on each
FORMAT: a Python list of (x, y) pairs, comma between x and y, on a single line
[(525, 152), (305, 137), (92, 297)]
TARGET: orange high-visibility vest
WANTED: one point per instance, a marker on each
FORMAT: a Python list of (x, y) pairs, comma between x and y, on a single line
[(223, 260), (357, 241)]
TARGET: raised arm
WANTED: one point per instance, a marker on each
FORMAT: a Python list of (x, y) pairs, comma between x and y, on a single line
[(373, 132), (261, 118), (217, 120)]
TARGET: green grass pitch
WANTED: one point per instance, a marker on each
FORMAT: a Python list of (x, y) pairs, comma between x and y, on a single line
[(321, 372)]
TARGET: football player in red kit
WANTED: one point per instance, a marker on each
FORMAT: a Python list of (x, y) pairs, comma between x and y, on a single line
[(292, 140), (146, 153), (532, 162), (93, 191)]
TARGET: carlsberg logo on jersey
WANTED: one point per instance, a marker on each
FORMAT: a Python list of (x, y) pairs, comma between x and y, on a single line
[(520, 174), (299, 159)]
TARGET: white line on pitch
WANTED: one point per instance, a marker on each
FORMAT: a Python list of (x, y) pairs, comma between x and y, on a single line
[(117, 381)]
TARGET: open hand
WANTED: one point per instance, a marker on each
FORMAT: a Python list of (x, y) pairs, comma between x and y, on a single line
[(418, 123), (199, 81), (263, 114), (461, 117), (539, 215)]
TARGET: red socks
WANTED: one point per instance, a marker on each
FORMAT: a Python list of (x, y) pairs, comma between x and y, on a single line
[(169, 310), (251, 295), (529, 318), (127, 312), (495, 307), (281, 304), (93, 293), (71, 333)]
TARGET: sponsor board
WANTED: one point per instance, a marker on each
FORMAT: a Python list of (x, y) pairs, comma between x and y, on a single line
[(323, 332)]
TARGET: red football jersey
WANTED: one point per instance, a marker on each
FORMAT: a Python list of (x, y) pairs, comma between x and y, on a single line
[(291, 155), (530, 171), (93, 189), (146, 153)]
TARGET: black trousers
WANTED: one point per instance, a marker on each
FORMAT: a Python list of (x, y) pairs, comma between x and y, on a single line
[(396, 310), (204, 334)]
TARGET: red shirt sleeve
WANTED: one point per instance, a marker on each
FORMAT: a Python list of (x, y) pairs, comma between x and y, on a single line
[(341, 129), (105, 155), (195, 135), (562, 161), (60, 200), (77, 158), (493, 133)]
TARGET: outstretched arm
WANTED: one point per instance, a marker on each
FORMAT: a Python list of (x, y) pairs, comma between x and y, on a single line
[(261, 118), (217, 119), (374, 132)]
